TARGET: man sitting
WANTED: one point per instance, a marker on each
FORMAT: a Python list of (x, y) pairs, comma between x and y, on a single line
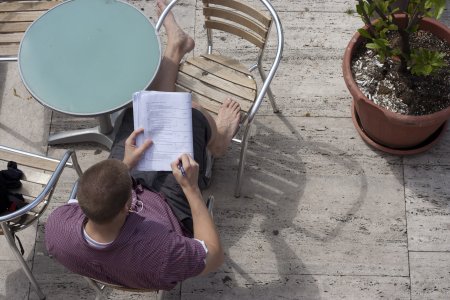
[(151, 229)]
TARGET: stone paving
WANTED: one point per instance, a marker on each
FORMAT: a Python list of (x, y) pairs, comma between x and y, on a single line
[(322, 215)]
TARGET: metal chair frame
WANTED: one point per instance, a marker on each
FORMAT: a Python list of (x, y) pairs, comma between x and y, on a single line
[(9, 228), (267, 79)]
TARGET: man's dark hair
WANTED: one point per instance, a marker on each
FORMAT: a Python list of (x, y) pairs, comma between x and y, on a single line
[(104, 189)]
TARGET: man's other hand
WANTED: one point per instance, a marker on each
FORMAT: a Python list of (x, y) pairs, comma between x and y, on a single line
[(132, 153)]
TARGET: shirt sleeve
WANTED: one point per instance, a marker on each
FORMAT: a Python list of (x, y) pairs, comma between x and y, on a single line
[(183, 258)]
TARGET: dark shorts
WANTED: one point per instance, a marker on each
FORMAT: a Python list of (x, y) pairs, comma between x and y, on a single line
[(164, 181)]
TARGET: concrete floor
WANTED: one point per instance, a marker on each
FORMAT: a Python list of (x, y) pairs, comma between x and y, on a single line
[(322, 215)]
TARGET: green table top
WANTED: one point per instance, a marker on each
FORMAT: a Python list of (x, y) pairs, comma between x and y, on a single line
[(87, 57)]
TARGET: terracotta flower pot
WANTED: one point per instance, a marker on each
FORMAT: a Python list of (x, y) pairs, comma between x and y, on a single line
[(386, 128)]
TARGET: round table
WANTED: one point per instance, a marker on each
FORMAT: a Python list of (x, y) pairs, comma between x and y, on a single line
[(87, 58)]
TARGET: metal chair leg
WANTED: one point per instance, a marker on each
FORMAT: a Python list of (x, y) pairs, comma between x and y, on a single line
[(269, 91), (96, 287), (9, 237), (210, 205), (244, 143), (159, 295)]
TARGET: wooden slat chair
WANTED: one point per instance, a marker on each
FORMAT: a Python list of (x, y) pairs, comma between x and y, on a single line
[(212, 78), (41, 174), (15, 17)]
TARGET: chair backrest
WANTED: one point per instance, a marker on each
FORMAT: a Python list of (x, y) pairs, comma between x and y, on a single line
[(237, 18), (40, 177), (15, 17)]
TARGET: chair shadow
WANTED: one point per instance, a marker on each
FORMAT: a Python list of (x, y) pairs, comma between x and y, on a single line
[(273, 187), (15, 284), (24, 139)]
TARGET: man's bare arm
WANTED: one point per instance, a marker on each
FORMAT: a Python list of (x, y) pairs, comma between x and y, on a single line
[(204, 228)]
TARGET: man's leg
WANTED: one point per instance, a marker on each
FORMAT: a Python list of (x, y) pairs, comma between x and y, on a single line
[(178, 44)]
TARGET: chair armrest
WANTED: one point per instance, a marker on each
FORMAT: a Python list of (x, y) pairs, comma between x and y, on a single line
[(277, 60), (49, 187)]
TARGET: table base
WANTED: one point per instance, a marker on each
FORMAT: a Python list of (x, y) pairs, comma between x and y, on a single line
[(103, 134)]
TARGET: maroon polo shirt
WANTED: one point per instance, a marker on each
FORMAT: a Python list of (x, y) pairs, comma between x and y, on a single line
[(152, 251)]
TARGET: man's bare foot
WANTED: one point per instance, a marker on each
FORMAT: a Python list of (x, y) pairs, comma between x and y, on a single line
[(177, 39), (227, 123)]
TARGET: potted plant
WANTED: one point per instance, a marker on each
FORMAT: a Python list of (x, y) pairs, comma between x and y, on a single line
[(397, 69)]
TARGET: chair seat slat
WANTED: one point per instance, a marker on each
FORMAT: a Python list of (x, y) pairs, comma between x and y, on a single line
[(29, 189), (27, 5), (30, 174), (14, 27), (228, 73), (35, 162), (26, 16), (209, 104), (229, 62), (210, 92), (208, 97), (11, 38), (9, 49), (217, 82), (37, 177)]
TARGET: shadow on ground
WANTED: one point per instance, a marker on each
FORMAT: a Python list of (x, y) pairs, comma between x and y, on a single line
[(260, 230)]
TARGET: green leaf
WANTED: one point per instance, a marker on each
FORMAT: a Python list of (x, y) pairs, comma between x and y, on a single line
[(435, 8), (364, 33), (424, 62), (393, 27), (372, 46)]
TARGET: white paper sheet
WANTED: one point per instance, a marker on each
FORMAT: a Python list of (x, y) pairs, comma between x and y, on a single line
[(167, 119)]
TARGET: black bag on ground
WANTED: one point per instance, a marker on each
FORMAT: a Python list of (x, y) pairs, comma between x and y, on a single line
[(10, 180)]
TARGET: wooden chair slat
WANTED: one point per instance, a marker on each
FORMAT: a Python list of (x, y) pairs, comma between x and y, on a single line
[(26, 5), (209, 104), (261, 17), (9, 49), (27, 16), (30, 174), (251, 37), (226, 72), (229, 62), (36, 176), (203, 89), (14, 27), (235, 17), (30, 161), (29, 189), (217, 82), (11, 38)]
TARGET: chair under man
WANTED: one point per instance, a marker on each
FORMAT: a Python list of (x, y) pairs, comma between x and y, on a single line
[(41, 174), (211, 77), (15, 17)]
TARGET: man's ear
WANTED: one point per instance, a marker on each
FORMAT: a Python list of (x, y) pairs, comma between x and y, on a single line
[(126, 208)]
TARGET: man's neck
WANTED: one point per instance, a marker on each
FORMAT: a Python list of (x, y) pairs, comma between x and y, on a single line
[(104, 233)]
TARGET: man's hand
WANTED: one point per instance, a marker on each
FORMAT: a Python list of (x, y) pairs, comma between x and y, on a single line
[(132, 153), (190, 179)]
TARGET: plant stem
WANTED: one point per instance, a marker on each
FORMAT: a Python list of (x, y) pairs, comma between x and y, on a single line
[(406, 49), (378, 10), (367, 20), (414, 19)]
